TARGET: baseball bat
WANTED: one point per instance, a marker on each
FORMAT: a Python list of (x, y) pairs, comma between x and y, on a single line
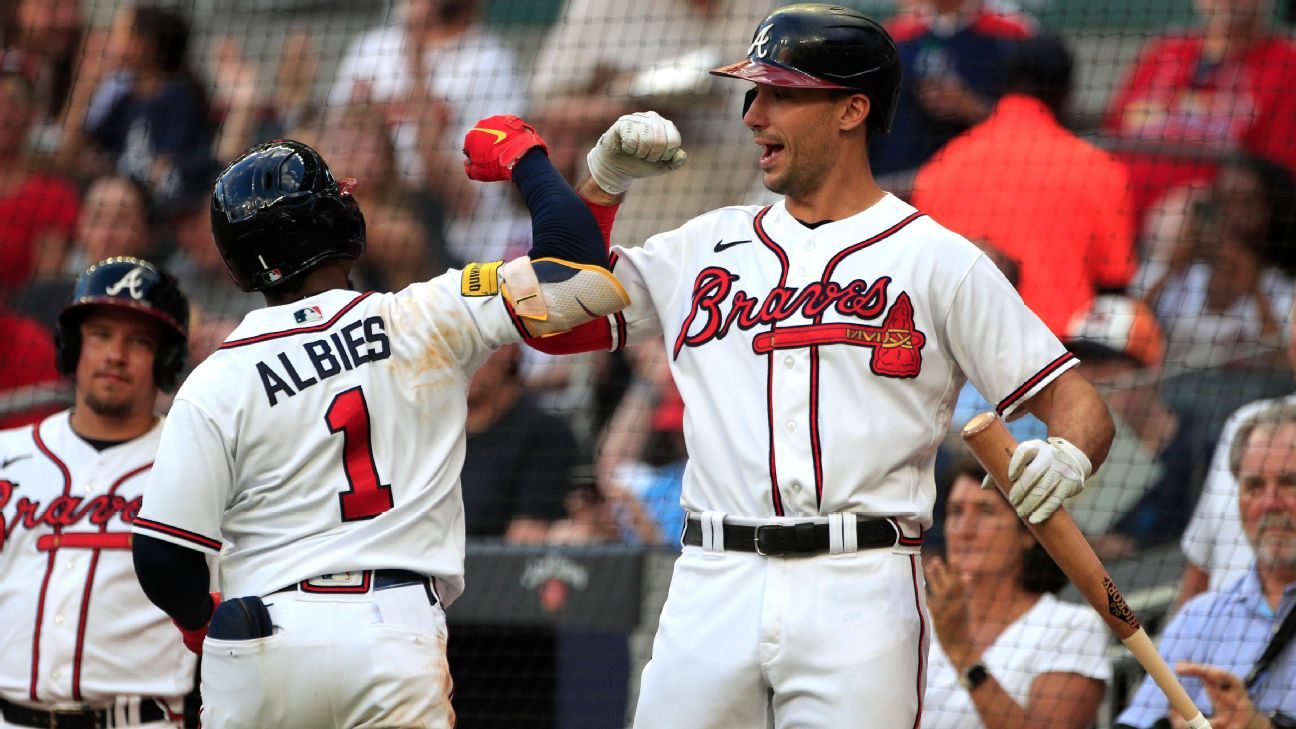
[(993, 446)]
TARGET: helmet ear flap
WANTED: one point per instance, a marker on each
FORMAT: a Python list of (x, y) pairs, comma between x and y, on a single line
[(67, 348)]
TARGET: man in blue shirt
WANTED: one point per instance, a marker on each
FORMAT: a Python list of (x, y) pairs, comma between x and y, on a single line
[(1218, 637)]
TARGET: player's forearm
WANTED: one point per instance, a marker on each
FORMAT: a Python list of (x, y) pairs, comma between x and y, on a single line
[(561, 225), (174, 578), (1074, 410)]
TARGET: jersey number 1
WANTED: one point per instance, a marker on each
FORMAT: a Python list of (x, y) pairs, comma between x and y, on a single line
[(368, 496)]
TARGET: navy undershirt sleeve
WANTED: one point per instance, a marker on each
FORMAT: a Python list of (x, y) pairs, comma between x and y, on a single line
[(174, 578), (561, 224)]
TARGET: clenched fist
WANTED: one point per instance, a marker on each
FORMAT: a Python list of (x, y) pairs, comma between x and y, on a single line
[(638, 145), (495, 144)]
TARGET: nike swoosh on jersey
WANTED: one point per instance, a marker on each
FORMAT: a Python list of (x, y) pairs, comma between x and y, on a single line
[(721, 245), (499, 136), (7, 461)]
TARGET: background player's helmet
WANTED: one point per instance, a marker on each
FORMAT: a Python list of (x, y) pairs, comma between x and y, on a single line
[(277, 212), (816, 46), (130, 283)]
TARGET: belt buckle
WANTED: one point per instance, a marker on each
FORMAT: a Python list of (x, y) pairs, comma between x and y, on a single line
[(55, 713), (756, 540)]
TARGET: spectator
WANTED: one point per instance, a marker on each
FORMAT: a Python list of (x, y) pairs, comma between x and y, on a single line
[(1150, 481), (114, 220), (247, 112), (1007, 653), (952, 54), (650, 413), (27, 376), (595, 516), (519, 460), (431, 74), (41, 42), (405, 224), (1218, 637), (1224, 87), (606, 58), (1046, 198), (37, 210), (216, 304), (1219, 273), (139, 105)]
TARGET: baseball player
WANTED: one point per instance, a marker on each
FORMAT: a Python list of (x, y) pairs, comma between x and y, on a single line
[(80, 645), (819, 345), (321, 445)]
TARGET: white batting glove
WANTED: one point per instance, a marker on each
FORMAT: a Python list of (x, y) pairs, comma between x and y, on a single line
[(1045, 474), (638, 145)]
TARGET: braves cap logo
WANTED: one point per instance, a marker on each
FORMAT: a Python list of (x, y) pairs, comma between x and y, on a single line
[(133, 281), (757, 47)]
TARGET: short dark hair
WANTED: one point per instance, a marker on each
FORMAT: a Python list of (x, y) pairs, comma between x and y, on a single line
[(1039, 573), (1041, 67), (168, 30)]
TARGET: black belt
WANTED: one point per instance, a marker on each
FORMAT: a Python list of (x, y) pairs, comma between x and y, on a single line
[(370, 580), (150, 710), (777, 540)]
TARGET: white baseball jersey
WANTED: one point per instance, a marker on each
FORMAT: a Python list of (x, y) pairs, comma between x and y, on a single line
[(75, 625), (819, 366), (327, 435)]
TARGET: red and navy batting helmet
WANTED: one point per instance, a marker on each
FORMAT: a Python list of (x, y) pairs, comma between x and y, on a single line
[(129, 283), (817, 46)]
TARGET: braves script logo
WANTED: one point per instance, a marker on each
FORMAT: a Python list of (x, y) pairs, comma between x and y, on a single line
[(133, 281), (762, 39), (1116, 604), (65, 512), (717, 306)]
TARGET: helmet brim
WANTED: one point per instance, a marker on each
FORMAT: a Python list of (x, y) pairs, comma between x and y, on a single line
[(764, 72)]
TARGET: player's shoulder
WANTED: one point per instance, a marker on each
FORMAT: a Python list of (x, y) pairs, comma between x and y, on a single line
[(927, 231), (726, 221), (20, 439), (13, 438)]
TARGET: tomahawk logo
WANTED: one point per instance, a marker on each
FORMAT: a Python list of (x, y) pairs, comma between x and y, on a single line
[(757, 46), (133, 280)]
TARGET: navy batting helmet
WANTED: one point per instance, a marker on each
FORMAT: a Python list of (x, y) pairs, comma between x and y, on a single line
[(816, 46), (129, 283), (277, 212)]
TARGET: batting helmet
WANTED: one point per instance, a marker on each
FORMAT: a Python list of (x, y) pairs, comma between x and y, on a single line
[(277, 212), (816, 46), (129, 283)]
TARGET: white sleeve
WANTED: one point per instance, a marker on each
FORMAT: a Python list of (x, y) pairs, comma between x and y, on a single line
[(1218, 502), (643, 271), (999, 343), (467, 325), (191, 482)]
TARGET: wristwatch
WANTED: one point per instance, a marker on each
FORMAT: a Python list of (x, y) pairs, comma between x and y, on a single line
[(973, 676)]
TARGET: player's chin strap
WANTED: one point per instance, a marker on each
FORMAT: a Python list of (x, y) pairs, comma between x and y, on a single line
[(550, 295)]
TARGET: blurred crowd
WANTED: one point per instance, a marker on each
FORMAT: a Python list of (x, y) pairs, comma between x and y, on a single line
[(1158, 242)]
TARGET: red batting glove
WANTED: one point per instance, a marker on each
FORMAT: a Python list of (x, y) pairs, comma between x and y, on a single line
[(495, 144), (193, 639)]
